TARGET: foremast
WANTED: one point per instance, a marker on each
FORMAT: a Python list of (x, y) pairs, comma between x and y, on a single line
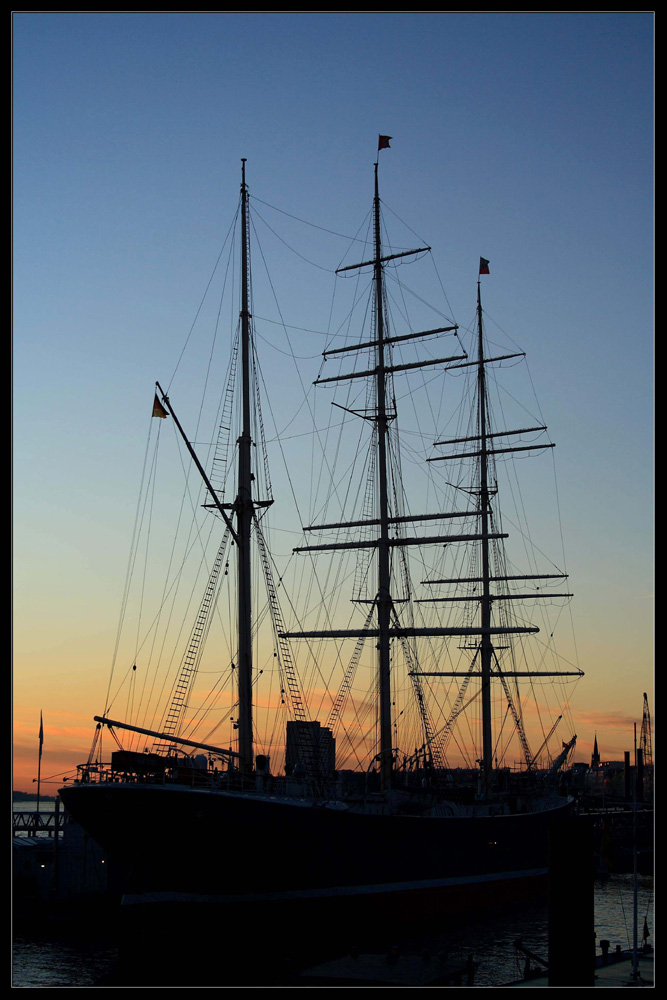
[(244, 508)]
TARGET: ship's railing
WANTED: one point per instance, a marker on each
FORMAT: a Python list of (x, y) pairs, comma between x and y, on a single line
[(274, 785), (186, 776), (428, 786)]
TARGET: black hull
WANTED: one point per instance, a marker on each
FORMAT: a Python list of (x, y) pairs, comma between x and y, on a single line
[(180, 845)]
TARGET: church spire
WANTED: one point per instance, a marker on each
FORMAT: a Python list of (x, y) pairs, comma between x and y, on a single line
[(595, 758)]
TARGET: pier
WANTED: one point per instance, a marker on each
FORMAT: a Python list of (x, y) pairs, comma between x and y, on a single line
[(32, 824)]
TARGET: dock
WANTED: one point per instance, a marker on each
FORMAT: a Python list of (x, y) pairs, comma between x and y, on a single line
[(610, 971), (389, 969), (56, 866)]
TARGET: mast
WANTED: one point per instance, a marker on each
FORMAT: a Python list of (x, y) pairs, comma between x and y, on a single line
[(244, 510), (244, 505), (487, 597), (384, 520), (486, 644), (382, 541), (384, 570)]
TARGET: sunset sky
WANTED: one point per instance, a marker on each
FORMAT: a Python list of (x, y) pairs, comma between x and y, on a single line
[(523, 137)]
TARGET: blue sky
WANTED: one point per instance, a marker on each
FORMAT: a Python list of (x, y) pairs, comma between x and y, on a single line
[(523, 137)]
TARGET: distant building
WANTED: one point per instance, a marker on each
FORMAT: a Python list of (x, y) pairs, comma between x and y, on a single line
[(305, 739), (595, 757)]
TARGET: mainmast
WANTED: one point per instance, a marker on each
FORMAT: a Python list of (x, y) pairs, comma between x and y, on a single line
[(486, 644), (384, 520), (384, 602), (244, 509)]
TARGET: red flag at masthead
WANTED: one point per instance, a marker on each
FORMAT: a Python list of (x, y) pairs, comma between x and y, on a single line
[(158, 408)]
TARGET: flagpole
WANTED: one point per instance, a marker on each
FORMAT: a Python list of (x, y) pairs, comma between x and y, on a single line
[(635, 952), (39, 766)]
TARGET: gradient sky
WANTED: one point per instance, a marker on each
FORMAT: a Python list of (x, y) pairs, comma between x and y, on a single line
[(524, 137)]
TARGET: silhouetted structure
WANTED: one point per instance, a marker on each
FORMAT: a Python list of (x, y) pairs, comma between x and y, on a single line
[(595, 757), (310, 735)]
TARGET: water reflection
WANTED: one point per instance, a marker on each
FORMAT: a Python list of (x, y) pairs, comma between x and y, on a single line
[(489, 937)]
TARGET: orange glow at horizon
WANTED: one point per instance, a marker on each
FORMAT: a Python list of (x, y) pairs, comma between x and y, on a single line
[(68, 739)]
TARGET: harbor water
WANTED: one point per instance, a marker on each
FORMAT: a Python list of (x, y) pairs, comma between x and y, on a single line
[(55, 960), (84, 952)]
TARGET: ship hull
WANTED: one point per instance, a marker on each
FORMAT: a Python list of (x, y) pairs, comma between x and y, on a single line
[(176, 844)]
